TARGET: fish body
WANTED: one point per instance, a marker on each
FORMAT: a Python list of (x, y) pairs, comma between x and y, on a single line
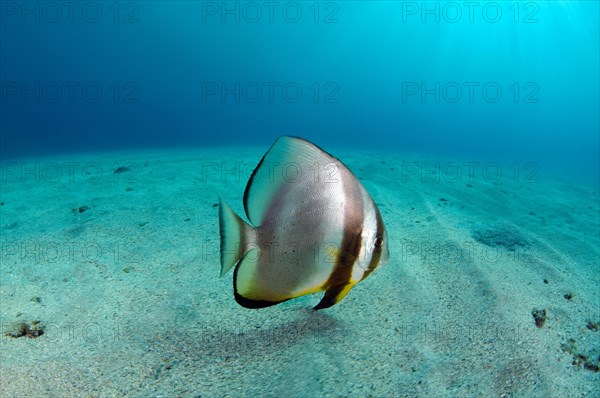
[(313, 227)]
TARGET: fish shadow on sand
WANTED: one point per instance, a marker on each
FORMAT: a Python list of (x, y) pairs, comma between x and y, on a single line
[(225, 343)]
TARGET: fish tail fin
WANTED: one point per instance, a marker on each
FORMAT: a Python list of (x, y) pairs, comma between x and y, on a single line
[(235, 237)]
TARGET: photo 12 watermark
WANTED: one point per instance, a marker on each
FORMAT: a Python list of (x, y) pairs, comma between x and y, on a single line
[(468, 172), (490, 92), (68, 172), (453, 12), (252, 12), (271, 172), (289, 92), (71, 92), (70, 332), (69, 12), (469, 251), (461, 334), (68, 252)]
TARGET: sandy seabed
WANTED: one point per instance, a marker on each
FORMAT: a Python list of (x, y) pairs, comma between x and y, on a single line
[(120, 271)]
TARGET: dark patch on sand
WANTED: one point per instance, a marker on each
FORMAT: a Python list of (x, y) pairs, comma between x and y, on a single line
[(539, 316), (589, 361), (122, 169), (30, 330), (500, 235)]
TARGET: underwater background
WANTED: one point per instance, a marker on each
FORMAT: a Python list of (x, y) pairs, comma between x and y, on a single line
[(516, 80), (473, 125)]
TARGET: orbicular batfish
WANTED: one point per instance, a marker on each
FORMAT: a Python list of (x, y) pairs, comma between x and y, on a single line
[(313, 227)]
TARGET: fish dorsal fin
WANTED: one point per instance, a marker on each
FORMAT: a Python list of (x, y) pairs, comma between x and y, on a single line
[(290, 160)]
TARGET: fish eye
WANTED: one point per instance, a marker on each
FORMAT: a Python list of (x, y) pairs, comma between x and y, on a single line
[(378, 241)]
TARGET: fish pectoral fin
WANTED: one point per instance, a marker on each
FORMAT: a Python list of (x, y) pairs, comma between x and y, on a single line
[(333, 295)]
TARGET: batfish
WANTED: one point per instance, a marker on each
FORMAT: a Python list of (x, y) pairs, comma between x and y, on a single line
[(313, 227)]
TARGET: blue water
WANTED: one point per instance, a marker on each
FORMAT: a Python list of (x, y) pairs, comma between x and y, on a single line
[(379, 75), (119, 263)]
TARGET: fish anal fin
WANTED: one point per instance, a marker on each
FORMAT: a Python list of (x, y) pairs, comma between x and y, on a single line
[(247, 292), (254, 304), (333, 295)]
